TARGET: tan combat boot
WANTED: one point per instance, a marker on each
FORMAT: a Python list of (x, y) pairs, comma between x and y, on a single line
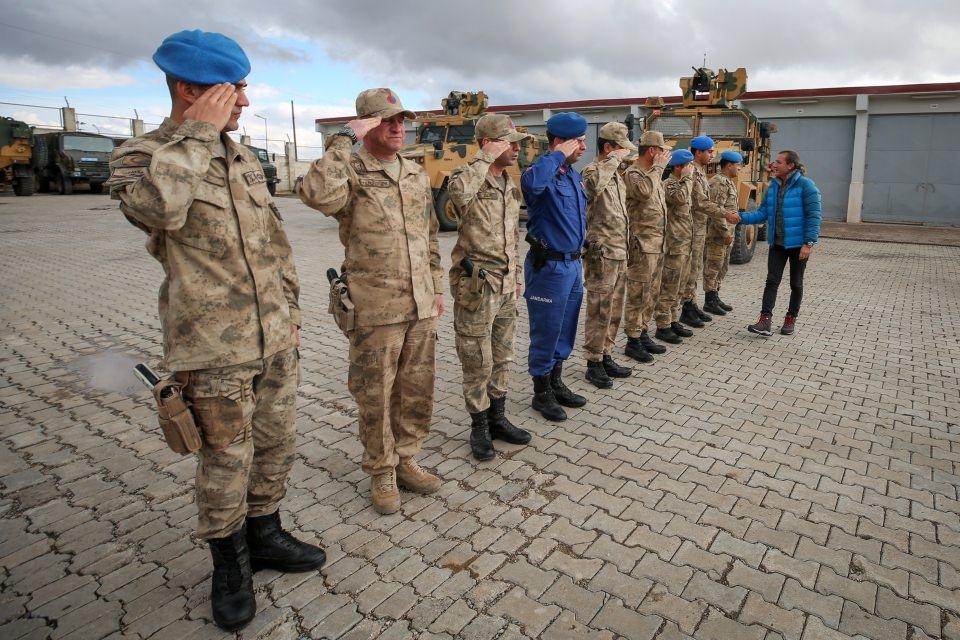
[(415, 478), (383, 490)]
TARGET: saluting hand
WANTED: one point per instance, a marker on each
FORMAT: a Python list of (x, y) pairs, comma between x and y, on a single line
[(619, 154), (568, 147), (214, 106), (362, 126), (496, 148), (662, 158), (687, 169)]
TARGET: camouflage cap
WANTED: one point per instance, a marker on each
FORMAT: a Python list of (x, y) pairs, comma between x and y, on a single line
[(498, 126), (617, 132), (653, 139), (381, 102)]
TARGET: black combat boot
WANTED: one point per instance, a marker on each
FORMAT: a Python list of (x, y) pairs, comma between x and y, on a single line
[(231, 590), (597, 375), (615, 370), (711, 303), (723, 305), (650, 345), (681, 330), (689, 315), (480, 444), (561, 392), (500, 427), (273, 548), (700, 314), (544, 401), (666, 334), (637, 351)]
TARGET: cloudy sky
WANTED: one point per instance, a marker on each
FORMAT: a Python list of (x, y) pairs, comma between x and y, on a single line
[(320, 54)]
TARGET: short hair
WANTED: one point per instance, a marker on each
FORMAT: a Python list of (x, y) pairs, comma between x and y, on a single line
[(550, 137), (696, 151), (603, 141), (724, 162), (642, 149)]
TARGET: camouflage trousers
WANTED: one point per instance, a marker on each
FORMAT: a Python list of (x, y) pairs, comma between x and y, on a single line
[(391, 378), (716, 259), (484, 324), (245, 414), (643, 288), (606, 283), (688, 290), (676, 268)]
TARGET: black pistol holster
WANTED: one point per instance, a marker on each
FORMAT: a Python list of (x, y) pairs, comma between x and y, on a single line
[(539, 250)]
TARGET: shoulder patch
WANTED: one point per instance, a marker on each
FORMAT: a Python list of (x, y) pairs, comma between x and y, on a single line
[(254, 177), (357, 164)]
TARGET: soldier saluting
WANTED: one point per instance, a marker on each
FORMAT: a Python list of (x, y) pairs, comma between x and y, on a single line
[(486, 280), (391, 266), (228, 308)]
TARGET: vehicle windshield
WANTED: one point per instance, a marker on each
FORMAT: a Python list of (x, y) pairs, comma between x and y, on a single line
[(462, 133), (673, 126), (262, 155), (729, 125), (87, 143), (433, 133)]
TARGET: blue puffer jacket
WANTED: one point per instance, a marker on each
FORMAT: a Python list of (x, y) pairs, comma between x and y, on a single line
[(801, 212)]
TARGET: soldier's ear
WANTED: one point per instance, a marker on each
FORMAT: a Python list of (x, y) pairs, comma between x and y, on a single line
[(186, 92)]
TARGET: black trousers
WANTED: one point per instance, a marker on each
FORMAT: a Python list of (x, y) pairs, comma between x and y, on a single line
[(776, 260)]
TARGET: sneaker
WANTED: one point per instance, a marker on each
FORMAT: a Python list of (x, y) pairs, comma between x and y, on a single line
[(789, 325), (762, 326)]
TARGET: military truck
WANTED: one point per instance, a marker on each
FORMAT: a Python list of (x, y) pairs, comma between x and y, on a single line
[(269, 169), (445, 142), (16, 145), (64, 159), (708, 109)]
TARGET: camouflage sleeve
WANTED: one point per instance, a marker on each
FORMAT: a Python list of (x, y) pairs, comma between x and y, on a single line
[(702, 202), (436, 267), (640, 181), (677, 191), (518, 258), (156, 184), (596, 177), (466, 182), (718, 191), (288, 274), (326, 186)]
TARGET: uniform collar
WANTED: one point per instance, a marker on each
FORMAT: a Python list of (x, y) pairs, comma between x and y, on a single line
[(371, 163), (234, 150), (493, 182)]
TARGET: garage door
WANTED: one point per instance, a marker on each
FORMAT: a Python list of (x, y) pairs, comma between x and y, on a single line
[(825, 146), (911, 173)]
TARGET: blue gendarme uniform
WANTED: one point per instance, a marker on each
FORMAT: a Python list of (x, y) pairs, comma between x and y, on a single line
[(557, 210)]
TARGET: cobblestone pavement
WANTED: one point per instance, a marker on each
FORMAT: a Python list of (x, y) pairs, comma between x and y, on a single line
[(797, 487)]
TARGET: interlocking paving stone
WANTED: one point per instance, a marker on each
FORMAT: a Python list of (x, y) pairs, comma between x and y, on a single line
[(796, 487)]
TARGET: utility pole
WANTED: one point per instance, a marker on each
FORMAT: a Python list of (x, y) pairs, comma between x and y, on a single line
[(266, 137), (293, 120)]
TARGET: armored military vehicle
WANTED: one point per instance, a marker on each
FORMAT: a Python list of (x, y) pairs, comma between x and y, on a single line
[(64, 159), (16, 145), (708, 109), (445, 142), (269, 169)]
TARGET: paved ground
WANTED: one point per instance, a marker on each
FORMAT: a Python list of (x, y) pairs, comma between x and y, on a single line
[(800, 487), (899, 233)]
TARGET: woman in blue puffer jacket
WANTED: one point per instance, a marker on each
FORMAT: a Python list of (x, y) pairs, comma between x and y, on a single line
[(791, 209)]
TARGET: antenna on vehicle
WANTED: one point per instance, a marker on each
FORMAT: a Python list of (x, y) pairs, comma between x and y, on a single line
[(67, 101), (704, 58)]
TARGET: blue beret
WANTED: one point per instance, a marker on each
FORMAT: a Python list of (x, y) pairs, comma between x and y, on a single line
[(567, 125), (701, 143), (731, 156), (202, 57), (680, 156)]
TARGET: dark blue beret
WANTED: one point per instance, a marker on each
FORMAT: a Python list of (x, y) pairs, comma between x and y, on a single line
[(701, 143), (202, 57), (567, 125), (731, 156), (680, 156)]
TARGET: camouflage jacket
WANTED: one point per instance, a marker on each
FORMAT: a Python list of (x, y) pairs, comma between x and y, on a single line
[(646, 207), (488, 221), (679, 220), (703, 207), (230, 291), (607, 223), (388, 230), (723, 191)]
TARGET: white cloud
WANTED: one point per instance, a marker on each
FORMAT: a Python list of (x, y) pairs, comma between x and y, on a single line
[(24, 73)]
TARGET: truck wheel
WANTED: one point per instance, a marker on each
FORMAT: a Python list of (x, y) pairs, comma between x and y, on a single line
[(96, 187), (744, 243), (272, 188), (64, 185), (25, 186), (446, 216)]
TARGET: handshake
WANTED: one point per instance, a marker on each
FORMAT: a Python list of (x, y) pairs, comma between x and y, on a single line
[(732, 217)]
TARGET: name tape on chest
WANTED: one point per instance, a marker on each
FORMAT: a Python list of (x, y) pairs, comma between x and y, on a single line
[(254, 177), (374, 182)]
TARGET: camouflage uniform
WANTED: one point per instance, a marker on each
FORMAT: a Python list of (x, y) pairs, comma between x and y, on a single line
[(679, 238), (392, 270), (716, 258), (605, 266), (228, 303), (485, 311), (703, 209), (647, 210)]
